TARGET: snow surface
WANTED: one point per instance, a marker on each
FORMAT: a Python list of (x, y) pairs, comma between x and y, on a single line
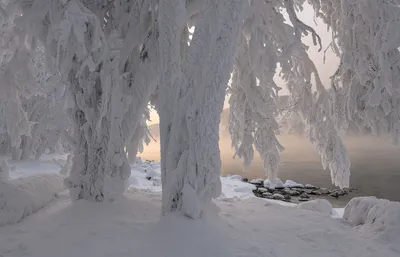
[(235, 188), (318, 205), (131, 226), (23, 196), (337, 213), (242, 225)]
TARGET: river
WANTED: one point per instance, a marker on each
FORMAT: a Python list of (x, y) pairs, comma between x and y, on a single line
[(375, 165)]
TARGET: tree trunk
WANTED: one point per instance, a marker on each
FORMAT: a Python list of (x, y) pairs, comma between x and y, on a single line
[(100, 168), (171, 21), (192, 163)]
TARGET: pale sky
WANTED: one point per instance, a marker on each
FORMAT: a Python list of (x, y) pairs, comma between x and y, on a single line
[(325, 70)]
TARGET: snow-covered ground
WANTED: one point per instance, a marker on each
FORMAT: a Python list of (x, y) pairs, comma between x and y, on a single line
[(243, 225)]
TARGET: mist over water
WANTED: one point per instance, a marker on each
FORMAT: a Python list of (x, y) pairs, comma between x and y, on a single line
[(375, 165)]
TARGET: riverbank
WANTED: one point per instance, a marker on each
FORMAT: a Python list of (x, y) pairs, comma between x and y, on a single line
[(239, 225)]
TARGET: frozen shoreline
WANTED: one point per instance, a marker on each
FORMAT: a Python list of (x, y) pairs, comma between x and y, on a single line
[(247, 226)]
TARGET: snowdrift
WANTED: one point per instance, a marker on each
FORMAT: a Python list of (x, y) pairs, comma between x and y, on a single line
[(379, 218), (21, 197)]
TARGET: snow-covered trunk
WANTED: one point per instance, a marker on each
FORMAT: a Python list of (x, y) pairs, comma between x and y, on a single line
[(100, 167), (203, 118), (171, 24), (193, 161)]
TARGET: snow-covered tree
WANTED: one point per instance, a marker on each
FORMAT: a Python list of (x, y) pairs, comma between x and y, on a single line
[(367, 78), (105, 52), (38, 97), (16, 76), (44, 107), (271, 42)]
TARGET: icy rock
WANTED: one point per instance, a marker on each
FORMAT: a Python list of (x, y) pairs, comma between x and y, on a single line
[(267, 195), (245, 180), (307, 191), (334, 194), (267, 184), (262, 190), (277, 197), (287, 197), (278, 184), (304, 196), (337, 193), (292, 184), (318, 205), (291, 192), (315, 192), (324, 191), (257, 181), (309, 186)]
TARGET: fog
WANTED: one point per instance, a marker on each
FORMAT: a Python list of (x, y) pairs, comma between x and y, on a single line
[(375, 164)]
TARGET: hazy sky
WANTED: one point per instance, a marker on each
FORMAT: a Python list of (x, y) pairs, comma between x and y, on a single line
[(325, 70)]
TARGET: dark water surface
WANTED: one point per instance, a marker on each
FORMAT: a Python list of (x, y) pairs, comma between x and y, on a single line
[(375, 166)]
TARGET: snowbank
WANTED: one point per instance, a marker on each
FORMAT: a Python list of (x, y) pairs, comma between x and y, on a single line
[(318, 205), (357, 209), (23, 196), (233, 187), (378, 218)]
